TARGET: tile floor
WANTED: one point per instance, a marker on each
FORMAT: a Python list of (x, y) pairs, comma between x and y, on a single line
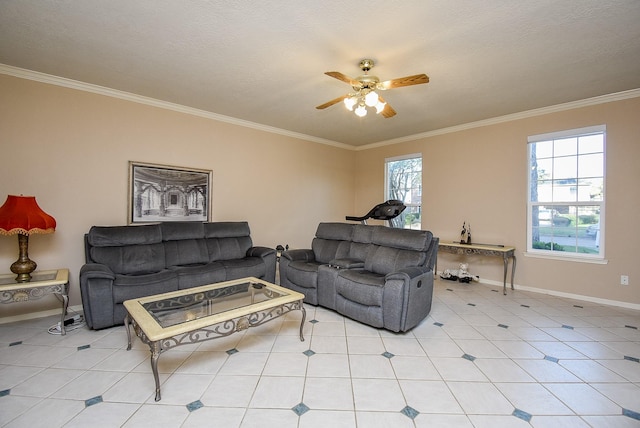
[(480, 359)]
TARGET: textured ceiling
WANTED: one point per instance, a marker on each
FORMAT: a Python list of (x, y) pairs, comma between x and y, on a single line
[(263, 62)]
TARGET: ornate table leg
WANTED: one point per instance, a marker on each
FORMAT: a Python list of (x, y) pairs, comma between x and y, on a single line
[(155, 354), (65, 305), (304, 315), (127, 324), (513, 269), (505, 261)]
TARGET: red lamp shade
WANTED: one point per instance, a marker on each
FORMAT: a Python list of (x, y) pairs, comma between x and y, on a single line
[(22, 215)]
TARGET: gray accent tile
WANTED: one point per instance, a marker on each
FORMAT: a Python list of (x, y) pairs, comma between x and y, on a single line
[(631, 414), (309, 353), (92, 401), (16, 343), (232, 351), (300, 409), (525, 306), (410, 412), (468, 357), (194, 405), (631, 326), (83, 347), (439, 324), (314, 321), (634, 359), (503, 326), (578, 306), (387, 354), (5, 392), (521, 414), (471, 304), (552, 359), (567, 327)]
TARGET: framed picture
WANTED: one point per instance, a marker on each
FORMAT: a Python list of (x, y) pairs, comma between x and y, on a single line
[(160, 193)]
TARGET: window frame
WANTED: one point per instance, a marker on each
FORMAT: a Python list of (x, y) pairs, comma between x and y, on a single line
[(387, 190), (572, 255)]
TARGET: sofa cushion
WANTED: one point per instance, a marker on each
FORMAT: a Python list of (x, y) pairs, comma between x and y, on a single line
[(335, 231), (384, 260), (229, 229), (177, 230), (417, 240), (240, 268), (127, 287), (200, 274), (116, 236), (303, 273), (186, 252), (228, 248), (131, 259), (363, 287)]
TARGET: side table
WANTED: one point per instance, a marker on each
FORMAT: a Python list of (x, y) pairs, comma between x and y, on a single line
[(506, 253), (41, 284)]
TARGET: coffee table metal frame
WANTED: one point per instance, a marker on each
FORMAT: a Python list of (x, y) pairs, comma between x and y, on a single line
[(209, 327)]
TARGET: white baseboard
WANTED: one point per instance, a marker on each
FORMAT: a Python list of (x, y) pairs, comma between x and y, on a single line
[(41, 314), (591, 299)]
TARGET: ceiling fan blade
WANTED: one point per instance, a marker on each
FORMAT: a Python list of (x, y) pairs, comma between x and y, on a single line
[(344, 78), (332, 102), (416, 79), (388, 111)]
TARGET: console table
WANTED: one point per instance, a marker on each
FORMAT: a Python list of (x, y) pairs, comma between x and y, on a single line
[(505, 253), (41, 284)]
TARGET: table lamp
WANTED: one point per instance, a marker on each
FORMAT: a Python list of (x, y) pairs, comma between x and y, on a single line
[(21, 215)]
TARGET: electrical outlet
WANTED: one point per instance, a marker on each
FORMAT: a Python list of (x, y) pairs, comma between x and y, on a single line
[(624, 279)]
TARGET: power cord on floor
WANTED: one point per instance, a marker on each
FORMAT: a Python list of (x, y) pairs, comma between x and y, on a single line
[(73, 323)]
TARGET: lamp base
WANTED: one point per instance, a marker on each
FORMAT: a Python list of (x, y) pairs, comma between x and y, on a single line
[(24, 265)]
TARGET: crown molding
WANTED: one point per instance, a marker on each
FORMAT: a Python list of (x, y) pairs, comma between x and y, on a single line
[(128, 96), (617, 96)]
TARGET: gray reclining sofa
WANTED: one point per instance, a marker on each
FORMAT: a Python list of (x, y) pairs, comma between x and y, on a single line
[(377, 275), (127, 262)]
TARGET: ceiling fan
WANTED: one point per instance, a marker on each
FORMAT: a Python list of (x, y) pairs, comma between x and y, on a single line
[(364, 90)]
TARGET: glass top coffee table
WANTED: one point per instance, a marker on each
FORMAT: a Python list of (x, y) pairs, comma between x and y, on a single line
[(193, 315)]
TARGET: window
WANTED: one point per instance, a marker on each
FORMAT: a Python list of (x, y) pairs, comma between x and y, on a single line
[(403, 181), (566, 193)]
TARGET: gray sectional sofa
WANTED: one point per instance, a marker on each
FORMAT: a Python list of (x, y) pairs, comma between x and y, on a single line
[(377, 275), (126, 262)]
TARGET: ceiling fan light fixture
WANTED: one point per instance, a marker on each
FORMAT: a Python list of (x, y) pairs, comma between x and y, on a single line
[(371, 99), (361, 111), (349, 102), (380, 106)]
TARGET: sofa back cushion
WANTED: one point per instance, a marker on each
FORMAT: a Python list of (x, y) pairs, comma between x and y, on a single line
[(127, 249), (184, 243), (227, 240), (332, 241), (361, 244), (393, 249)]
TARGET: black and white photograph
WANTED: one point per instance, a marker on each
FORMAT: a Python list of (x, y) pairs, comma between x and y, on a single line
[(159, 193)]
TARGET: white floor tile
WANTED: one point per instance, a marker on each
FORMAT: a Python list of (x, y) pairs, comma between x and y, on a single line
[(480, 398)]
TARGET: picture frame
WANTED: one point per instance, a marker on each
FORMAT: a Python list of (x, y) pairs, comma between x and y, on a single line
[(165, 193)]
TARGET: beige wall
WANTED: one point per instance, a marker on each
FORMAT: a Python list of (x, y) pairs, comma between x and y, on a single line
[(480, 176), (71, 150)]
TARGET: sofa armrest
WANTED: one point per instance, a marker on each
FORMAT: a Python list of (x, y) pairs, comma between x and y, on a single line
[(96, 290), (268, 256), (408, 273), (260, 252), (305, 255)]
